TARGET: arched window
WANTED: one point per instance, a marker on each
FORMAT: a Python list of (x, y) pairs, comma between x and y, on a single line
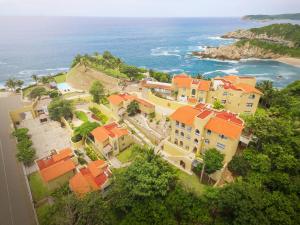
[(182, 134), (197, 132), (193, 91), (176, 132), (195, 149), (176, 142), (181, 143), (196, 141)]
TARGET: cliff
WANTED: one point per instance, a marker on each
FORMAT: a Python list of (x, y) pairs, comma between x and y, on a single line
[(269, 42)]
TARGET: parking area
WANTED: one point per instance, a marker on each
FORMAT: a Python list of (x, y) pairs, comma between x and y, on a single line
[(47, 136)]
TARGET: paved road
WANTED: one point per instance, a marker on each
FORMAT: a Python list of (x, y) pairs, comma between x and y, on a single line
[(15, 205)]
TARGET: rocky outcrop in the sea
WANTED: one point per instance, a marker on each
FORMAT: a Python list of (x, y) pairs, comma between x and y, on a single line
[(234, 52), (249, 35)]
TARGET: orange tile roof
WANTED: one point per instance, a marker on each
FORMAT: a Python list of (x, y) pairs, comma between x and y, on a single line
[(63, 154), (192, 100), (204, 85), (91, 178), (182, 81), (79, 184), (247, 88), (115, 99), (56, 170), (185, 114), (227, 128), (231, 78), (109, 130)]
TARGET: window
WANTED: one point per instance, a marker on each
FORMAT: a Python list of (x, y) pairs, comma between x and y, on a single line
[(176, 132), (181, 143), (225, 93), (197, 132), (182, 125), (223, 101), (249, 104), (182, 134), (193, 91), (177, 123), (200, 100), (251, 96), (220, 146), (195, 149), (189, 128), (222, 136), (176, 142), (196, 141), (206, 141), (208, 132)]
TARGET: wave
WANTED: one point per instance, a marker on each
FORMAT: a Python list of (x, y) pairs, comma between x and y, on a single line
[(165, 51), (228, 71), (43, 71), (216, 38), (220, 60), (172, 70), (197, 48)]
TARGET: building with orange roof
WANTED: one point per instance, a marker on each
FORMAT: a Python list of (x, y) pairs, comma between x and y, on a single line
[(237, 93), (111, 139), (57, 168), (93, 177), (195, 129), (190, 89), (118, 103)]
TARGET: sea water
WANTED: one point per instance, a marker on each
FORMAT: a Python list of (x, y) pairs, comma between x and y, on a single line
[(47, 45)]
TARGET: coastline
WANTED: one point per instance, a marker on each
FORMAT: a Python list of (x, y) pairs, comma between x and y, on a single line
[(289, 60)]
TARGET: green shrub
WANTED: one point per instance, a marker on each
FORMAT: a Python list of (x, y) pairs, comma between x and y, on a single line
[(76, 138), (81, 115), (91, 153), (37, 92), (98, 115)]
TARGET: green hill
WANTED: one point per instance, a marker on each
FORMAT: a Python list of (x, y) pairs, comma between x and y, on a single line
[(293, 16)]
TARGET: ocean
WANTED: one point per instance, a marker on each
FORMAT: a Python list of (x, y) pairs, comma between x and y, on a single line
[(47, 45)]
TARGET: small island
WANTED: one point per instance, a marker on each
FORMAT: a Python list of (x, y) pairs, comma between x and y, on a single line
[(279, 42)]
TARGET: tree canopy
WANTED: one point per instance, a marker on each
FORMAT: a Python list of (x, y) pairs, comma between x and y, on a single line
[(97, 91), (59, 108)]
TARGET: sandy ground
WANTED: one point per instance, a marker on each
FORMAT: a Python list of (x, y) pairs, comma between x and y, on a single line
[(81, 78), (290, 61)]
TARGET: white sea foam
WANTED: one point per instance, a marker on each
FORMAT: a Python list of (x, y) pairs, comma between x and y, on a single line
[(216, 38), (43, 71), (172, 70), (228, 71), (220, 60), (165, 51), (2, 63)]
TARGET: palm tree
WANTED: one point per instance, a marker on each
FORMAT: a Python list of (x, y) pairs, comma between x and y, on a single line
[(19, 83), (35, 78), (11, 84)]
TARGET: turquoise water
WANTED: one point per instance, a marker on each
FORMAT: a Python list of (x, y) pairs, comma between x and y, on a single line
[(45, 45), (63, 87)]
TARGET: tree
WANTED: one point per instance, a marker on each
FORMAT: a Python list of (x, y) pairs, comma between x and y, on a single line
[(133, 108), (11, 84), (266, 87), (97, 91), (35, 78), (257, 161), (213, 160), (26, 155), (37, 92), (45, 79), (239, 166), (19, 83), (59, 108), (85, 129), (218, 105)]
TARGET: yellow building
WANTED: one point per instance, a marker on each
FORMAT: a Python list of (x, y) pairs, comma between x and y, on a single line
[(237, 94), (118, 104), (197, 129), (111, 139), (189, 89)]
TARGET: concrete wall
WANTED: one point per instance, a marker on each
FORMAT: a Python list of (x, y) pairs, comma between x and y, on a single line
[(164, 102)]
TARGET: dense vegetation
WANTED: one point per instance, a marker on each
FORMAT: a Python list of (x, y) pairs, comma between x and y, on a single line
[(60, 108), (26, 153), (291, 16), (275, 48), (110, 65), (290, 32), (115, 67)]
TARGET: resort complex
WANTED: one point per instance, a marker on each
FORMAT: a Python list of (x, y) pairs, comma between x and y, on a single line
[(101, 144)]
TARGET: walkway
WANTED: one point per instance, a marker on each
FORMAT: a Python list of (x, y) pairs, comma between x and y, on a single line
[(15, 204)]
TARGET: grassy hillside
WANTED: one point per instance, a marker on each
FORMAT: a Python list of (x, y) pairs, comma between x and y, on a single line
[(289, 32), (293, 16)]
